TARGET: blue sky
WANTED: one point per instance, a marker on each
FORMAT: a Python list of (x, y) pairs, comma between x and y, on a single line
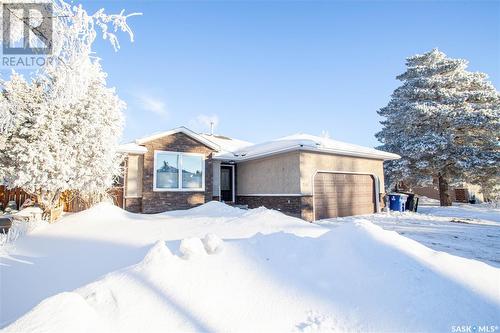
[(269, 69)]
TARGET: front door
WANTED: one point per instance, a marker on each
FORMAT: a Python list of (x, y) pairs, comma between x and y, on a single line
[(226, 183)]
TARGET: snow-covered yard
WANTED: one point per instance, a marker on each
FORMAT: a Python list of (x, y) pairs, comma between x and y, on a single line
[(108, 270)]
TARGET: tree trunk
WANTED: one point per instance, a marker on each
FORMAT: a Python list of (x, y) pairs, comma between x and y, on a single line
[(47, 200), (444, 194)]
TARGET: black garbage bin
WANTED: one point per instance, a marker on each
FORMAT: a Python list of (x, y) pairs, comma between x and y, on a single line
[(411, 202), (5, 224)]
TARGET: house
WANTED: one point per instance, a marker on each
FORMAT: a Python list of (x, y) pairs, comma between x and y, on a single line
[(302, 175), (462, 192)]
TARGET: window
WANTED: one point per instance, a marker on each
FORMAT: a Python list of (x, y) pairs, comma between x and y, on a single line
[(179, 171), (192, 171), (167, 170)]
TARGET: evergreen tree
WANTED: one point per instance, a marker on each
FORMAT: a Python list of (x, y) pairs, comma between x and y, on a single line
[(444, 122)]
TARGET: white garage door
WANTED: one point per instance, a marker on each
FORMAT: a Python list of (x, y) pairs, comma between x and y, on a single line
[(343, 194)]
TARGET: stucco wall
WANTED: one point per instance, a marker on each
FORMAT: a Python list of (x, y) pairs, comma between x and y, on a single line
[(311, 162), (133, 183), (278, 174)]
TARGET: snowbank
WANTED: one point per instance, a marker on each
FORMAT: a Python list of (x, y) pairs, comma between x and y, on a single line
[(357, 277), (82, 247), (65, 312), (210, 209)]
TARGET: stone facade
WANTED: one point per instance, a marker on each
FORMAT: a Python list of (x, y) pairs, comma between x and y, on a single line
[(290, 205), (160, 201), (306, 208), (133, 205)]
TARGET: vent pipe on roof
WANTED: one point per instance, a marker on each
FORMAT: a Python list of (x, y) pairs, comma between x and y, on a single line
[(212, 128)]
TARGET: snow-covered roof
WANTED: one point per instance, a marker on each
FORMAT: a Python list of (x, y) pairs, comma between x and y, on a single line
[(305, 142), (182, 129), (131, 148), (239, 150), (226, 144)]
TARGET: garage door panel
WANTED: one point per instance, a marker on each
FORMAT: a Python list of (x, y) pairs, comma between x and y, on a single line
[(337, 194)]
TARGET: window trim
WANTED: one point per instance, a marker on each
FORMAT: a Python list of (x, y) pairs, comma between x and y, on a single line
[(179, 155)]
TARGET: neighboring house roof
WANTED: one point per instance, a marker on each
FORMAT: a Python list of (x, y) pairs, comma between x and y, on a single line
[(239, 150), (306, 142)]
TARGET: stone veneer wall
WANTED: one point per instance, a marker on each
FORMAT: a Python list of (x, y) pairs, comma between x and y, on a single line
[(306, 208), (156, 202), (133, 205), (290, 205)]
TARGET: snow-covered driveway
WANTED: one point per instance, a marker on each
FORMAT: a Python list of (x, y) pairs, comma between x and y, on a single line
[(105, 270), (470, 231)]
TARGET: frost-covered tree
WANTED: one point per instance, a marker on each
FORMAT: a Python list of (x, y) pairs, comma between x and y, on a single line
[(488, 178), (94, 142), (444, 121), (31, 154), (60, 129)]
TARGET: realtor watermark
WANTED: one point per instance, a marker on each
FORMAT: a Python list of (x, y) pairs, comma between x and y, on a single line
[(474, 328), (27, 32)]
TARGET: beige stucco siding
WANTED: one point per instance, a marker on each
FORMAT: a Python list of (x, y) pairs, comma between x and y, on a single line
[(278, 174), (133, 185), (311, 162)]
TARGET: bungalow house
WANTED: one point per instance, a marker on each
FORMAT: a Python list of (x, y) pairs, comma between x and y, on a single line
[(302, 175)]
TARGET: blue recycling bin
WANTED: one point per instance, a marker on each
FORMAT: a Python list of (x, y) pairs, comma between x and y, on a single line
[(396, 203)]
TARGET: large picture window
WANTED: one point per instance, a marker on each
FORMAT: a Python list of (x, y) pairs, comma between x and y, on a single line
[(179, 171)]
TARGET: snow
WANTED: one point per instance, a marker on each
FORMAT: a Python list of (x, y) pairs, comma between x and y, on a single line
[(192, 248), (131, 148), (239, 150), (227, 144), (470, 231), (224, 145), (106, 270), (305, 142), (212, 243), (466, 212)]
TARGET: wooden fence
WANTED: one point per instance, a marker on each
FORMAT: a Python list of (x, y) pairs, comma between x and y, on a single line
[(70, 203), (16, 194), (75, 204)]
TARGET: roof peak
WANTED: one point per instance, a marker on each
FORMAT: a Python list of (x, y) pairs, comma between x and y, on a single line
[(235, 149)]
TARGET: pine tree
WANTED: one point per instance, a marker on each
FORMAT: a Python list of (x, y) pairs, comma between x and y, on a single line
[(444, 122)]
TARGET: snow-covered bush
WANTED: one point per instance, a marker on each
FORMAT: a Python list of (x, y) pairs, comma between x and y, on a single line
[(61, 127), (18, 229), (444, 122)]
